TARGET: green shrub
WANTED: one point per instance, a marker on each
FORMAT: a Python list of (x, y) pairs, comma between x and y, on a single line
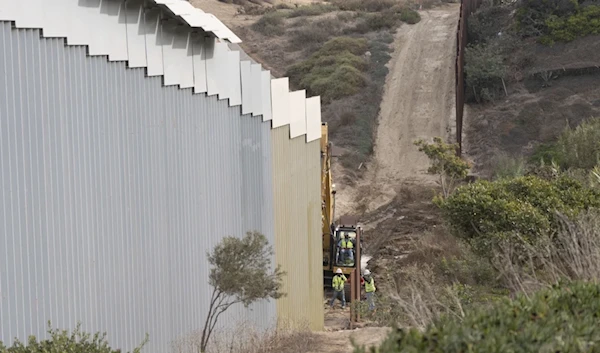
[(577, 148), (375, 22), (486, 213), (271, 24), (484, 71), (283, 6), (311, 10), (505, 166), (410, 16), (533, 14), (63, 341), (313, 34), (364, 5), (334, 71), (565, 29), (355, 129), (485, 23), (560, 319)]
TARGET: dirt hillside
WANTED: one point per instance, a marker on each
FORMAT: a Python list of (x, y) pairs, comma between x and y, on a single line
[(418, 103)]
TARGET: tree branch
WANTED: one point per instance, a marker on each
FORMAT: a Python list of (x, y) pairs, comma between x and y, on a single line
[(215, 319)]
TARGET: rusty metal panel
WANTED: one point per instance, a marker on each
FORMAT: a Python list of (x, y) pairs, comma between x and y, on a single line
[(112, 189), (297, 205), (467, 7)]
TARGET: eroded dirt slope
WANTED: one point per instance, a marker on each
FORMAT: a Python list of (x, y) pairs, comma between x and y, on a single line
[(418, 103)]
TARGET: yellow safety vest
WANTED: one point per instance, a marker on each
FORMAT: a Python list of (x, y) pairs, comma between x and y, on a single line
[(338, 282), (347, 244), (370, 286)]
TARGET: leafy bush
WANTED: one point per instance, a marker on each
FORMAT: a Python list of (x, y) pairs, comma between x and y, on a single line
[(521, 209), (533, 14), (255, 10), (376, 22), (334, 71), (444, 162), (558, 20), (560, 319), (506, 166), (313, 34), (311, 10), (364, 5), (61, 341), (365, 106), (271, 24), (577, 148), (583, 23), (484, 70), (485, 23), (410, 16)]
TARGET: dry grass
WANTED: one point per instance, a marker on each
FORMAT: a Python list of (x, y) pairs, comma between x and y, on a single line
[(571, 254), (244, 338), (422, 300)]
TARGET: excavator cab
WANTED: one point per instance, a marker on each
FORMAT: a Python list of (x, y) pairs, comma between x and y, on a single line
[(345, 245)]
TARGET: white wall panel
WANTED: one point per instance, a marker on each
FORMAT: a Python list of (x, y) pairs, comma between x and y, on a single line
[(199, 61), (115, 29), (8, 9), (225, 71), (297, 113), (29, 14), (313, 118), (95, 19), (79, 24), (183, 49), (234, 82), (267, 109), (136, 37), (246, 73), (154, 54), (198, 19), (54, 22), (280, 101), (170, 60), (257, 91), (216, 64)]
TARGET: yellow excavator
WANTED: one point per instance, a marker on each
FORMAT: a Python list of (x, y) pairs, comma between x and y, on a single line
[(336, 234)]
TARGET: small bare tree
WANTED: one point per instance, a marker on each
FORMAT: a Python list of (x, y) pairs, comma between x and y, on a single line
[(444, 162), (241, 273)]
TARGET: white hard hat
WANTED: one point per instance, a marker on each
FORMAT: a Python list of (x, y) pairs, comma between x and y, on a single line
[(367, 272), (339, 270)]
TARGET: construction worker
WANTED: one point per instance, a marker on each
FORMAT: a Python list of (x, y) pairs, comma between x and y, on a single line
[(338, 283), (347, 249), (369, 289)]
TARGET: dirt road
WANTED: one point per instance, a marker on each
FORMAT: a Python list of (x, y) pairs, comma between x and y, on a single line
[(418, 103)]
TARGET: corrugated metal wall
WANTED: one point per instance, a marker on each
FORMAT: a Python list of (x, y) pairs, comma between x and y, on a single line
[(297, 193), (112, 189)]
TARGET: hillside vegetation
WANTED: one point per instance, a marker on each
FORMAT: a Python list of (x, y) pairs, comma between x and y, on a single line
[(514, 264), (531, 70), (337, 49)]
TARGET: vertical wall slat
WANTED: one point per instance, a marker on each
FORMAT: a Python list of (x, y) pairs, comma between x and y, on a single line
[(199, 62), (136, 38), (267, 109), (297, 113), (280, 101), (154, 49)]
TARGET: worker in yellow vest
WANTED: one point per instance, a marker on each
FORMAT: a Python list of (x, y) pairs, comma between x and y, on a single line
[(369, 289), (338, 282), (347, 250)]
